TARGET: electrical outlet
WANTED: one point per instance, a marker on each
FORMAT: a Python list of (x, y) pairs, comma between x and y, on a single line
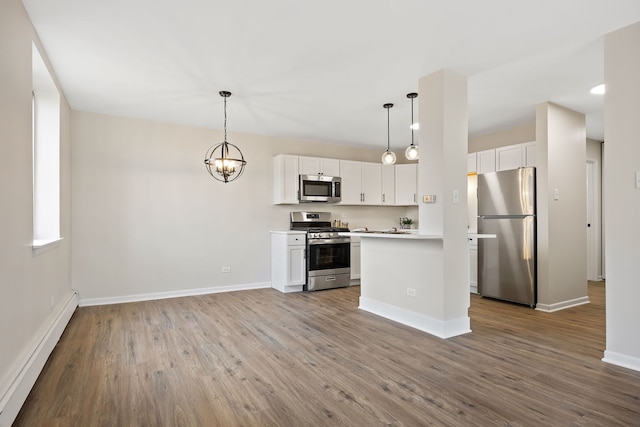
[(455, 196), (411, 292), (226, 269), (429, 198)]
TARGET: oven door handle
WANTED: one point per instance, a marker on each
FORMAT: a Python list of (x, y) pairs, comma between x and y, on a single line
[(329, 241)]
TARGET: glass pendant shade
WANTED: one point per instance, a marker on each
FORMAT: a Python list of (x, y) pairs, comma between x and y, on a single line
[(388, 157), (224, 161), (411, 153)]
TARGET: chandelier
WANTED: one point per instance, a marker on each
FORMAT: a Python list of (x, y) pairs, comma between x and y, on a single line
[(224, 161)]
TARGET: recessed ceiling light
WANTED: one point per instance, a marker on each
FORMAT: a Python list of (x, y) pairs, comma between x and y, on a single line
[(598, 90)]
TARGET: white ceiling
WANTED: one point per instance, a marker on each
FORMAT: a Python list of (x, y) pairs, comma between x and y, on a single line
[(321, 70)]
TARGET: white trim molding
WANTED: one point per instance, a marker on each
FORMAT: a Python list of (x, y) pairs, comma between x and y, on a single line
[(623, 360), (441, 329), (171, 294), (14, 396), (550, 308)]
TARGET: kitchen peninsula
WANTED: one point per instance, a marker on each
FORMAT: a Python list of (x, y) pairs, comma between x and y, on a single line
[(402, 279)]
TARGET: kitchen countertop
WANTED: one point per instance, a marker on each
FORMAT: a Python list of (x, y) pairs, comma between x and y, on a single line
[(408, 234), (391, 235)]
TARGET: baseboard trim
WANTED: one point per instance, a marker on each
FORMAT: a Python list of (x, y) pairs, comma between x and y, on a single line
[(27, 374), (550, 308), (439, 328), (171, 294), (623, 360)]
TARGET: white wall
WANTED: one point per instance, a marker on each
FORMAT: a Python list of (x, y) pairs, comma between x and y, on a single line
[(28, 283), (622, 199), (562, 222), (148, 218), (510, 136)]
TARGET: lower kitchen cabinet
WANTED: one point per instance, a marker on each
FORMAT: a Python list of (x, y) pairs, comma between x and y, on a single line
[(355, 260), (473, 264), (288, 262)]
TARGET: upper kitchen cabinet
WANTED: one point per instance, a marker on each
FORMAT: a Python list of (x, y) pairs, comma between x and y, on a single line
[(509, 157), (529, 150), (472, 162), (516, 156), (285, 179), (361, 183), (318, 166), (407, 184), (486, 161), (503, 158), (388, 185)]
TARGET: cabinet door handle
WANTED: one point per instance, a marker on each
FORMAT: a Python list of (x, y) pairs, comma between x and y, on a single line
[(414, 197), (383, 198)]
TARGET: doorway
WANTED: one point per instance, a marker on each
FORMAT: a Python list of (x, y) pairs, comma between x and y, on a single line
[(594, 247)]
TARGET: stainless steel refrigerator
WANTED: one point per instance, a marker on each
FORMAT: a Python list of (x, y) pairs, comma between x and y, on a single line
[(507, 208)]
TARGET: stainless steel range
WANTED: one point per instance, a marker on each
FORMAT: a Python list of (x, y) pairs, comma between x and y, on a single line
[(328, 254)]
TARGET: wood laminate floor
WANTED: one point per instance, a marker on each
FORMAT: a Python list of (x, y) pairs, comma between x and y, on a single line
[(262, 358)]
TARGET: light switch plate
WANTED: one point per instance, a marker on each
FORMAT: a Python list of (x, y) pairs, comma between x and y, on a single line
[(556, 194), (455, 196)]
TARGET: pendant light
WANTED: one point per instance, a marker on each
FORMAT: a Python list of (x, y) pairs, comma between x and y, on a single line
[(388, 157), (224, 161), (411, 153)]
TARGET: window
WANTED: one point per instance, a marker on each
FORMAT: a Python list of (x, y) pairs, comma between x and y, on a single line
[(46, 154)]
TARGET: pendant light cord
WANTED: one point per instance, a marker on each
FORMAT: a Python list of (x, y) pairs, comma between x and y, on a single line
[(225, 119), (412, 121), (388, 134)]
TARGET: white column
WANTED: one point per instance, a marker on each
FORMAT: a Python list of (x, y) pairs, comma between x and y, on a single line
[(622, 195), (442, 172), (561, 207)]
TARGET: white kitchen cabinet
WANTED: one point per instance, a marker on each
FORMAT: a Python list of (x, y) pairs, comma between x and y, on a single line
[(288, 263), (509, 157), (355, 260), (407, 184), (486, 161), (318, 165), (371, 183), (388, 184), (361, 183), (529, 149), (472, 162), (285, 179), (473, 265)]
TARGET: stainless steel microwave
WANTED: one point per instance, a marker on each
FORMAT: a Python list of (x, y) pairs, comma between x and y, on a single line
[(320, 188)]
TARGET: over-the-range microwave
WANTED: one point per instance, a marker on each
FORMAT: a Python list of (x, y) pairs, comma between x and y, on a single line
[(319, 188)]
